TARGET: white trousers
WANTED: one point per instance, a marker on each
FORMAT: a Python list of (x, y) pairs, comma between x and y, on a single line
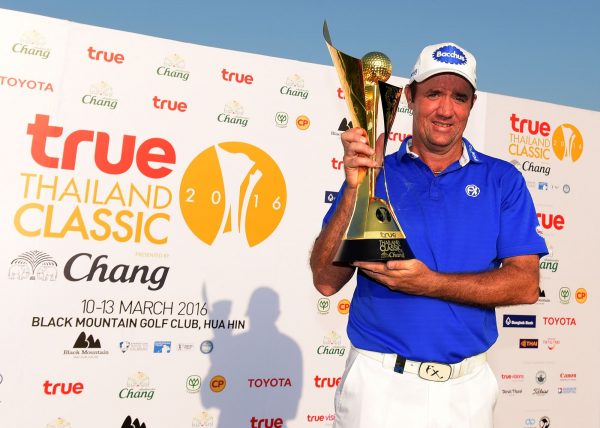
[(371, 395)]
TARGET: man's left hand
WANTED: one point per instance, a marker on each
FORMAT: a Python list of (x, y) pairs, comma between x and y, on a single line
[(408, 276)]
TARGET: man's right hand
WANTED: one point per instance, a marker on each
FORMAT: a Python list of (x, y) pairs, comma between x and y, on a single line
[(358, 155)]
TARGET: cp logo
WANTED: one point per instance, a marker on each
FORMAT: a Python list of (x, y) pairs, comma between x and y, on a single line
[(302, 122), (218, 383)]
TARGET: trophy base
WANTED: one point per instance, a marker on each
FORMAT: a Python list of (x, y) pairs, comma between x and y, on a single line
[(373, 250)]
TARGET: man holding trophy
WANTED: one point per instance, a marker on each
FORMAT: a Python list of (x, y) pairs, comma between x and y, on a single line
[(422, 316)]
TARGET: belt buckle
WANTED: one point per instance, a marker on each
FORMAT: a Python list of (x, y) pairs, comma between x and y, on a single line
[(435, 372)]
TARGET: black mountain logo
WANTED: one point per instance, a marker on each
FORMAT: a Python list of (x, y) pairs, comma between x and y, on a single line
[(345, 125), (127, 423), (86, 342)]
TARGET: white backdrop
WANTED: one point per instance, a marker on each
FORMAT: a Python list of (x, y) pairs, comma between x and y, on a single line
[(160, 203)]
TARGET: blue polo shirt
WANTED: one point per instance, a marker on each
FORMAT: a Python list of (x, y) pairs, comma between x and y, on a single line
[(465, 220)]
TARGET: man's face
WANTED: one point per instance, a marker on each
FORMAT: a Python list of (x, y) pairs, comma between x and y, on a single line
[(441, 108)]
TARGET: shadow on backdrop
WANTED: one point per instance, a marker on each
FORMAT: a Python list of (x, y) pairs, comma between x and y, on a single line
[(262, 367)]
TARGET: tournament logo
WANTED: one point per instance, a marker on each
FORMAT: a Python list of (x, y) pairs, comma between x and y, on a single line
[(174, 67), (294, 86), (33, 265), (450, 55), (567, 142), (233, 189), (203, 420), (32, 43), (233, 114), (540, 378), (100, 94)]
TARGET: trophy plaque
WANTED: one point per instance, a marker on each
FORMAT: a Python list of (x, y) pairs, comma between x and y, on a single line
[(374, 233)]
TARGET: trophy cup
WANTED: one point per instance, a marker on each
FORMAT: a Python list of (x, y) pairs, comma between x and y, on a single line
[(374, 233)]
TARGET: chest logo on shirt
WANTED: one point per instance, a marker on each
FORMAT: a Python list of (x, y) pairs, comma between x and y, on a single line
[(472, 190)]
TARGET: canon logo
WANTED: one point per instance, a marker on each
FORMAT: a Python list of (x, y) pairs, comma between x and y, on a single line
[(232, 76), (171, 105), (266, 423), (551, 221), (559, 321), (150, 152), (98, 55), (568, 376), (62, 388), (269, 382), (528, 125)]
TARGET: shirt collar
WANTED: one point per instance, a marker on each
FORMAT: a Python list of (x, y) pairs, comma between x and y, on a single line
[(469, 154)]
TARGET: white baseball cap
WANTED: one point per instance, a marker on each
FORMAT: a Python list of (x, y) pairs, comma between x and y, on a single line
[(444, 58)]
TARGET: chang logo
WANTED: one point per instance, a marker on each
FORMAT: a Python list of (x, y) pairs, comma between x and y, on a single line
[(233, 189), (450, 55), (567, 142), (32, 43), (59, 423), (173, 66), (101, 95), (204, 419), (33, 265)]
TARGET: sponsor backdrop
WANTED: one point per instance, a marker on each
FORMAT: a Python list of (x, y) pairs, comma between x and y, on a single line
[(160, 201)]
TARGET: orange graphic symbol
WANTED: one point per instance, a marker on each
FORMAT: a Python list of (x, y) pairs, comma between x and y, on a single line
[(236, 188), (567, 142)]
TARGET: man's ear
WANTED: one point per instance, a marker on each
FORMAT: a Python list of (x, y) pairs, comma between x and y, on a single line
[(408, 95)]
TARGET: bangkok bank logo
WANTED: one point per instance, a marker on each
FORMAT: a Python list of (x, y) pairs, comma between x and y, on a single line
[(233, 189), (173, 66), (100, 94), (33, 265), (567, 142), (450, 55), (233, 114), (32, 43), (519, 321), (137, 387), (332, 345), (294, 86), (202, 420)]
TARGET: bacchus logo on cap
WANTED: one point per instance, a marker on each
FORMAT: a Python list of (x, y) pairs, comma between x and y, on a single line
[(450, 55)]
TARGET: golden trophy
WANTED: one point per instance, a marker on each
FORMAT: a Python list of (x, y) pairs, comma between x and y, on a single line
[(374, 233)]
